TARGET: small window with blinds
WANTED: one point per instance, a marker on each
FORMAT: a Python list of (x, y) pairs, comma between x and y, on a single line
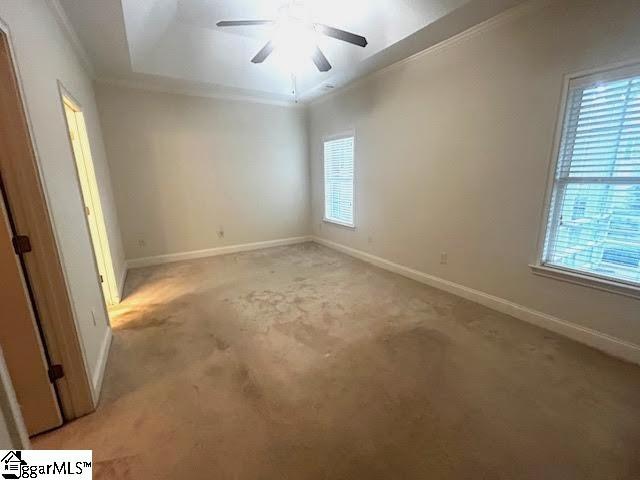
[(594, 218), (338, 180)]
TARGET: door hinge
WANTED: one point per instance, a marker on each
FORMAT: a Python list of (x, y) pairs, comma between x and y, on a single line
[(101, 279), (86, 210), (21, 244), (56, 372)]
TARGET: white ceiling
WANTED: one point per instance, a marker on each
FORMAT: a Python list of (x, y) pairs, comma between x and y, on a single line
[(175, 44)]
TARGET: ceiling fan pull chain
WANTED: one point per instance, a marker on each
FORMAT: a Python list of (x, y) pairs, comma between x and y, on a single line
[(294, 88)]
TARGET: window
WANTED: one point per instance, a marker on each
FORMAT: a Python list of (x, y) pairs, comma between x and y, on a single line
[(594, 218), (338, 180)]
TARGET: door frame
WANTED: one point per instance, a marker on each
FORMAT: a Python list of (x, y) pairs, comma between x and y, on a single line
[(112, 292), (19, 162)]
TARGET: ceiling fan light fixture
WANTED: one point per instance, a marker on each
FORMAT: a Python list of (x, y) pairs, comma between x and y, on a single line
[(295, 38), (294, 42)]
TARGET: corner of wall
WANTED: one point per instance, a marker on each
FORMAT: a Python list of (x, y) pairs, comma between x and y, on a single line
[(71, 36), (308, 153)]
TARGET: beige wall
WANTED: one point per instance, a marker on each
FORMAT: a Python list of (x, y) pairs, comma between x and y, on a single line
[(43, 57), (452, 152), (183, 167)]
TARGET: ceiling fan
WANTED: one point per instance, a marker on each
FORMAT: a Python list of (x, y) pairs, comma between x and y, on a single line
[(295, 30)]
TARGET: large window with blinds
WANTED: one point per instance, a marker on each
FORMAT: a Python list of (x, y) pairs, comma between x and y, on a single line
[(594, 216), (338, 179)]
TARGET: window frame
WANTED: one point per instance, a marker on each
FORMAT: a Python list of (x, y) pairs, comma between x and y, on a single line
[(325, 139), (539, 267)]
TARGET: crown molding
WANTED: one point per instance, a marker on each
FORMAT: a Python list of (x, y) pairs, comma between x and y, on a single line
[(64, 22), (72, 36), (503, 18), (204, 92), (308, 98)]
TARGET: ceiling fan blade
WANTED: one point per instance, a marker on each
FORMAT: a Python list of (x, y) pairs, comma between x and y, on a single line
[(262, 55), (341, 35), (320, 60), (241, 23)]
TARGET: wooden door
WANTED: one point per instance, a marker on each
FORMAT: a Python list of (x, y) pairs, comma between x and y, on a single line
[(22, 183), (21, 341)]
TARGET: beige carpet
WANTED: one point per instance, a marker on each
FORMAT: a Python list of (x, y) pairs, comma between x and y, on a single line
[(301, 363)]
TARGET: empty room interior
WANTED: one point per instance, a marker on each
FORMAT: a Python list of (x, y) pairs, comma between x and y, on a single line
[(318, 239)]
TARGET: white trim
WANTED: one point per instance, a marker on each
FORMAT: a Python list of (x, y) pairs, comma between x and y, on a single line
[(98, 375), (213, 252), (95, 200), (203, 92), (351, 132), (64, 22), (507, 16), (350, 226), (580, 278), (551, 169), (124, 269), (609, 72), (613, 346)]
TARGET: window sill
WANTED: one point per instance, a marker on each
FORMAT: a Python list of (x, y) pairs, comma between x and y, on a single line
[(587, 281), (340, 224)]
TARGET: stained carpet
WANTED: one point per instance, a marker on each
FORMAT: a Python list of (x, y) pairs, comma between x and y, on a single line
[(302, 363)]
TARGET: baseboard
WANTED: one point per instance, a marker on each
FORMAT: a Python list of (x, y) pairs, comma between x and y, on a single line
[(98, 375), (212, 252), (613, 346)]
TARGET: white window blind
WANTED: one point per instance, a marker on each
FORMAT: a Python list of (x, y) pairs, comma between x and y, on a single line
[(338, 180), (594, 217)]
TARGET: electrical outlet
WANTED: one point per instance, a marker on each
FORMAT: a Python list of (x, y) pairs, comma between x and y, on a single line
[(443, 258), (142, 243), (221, 232)]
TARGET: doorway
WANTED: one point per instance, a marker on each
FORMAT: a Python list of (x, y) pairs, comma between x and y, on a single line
[(79, 139)]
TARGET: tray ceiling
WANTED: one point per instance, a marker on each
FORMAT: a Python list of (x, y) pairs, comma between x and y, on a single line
[(176, 44)]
